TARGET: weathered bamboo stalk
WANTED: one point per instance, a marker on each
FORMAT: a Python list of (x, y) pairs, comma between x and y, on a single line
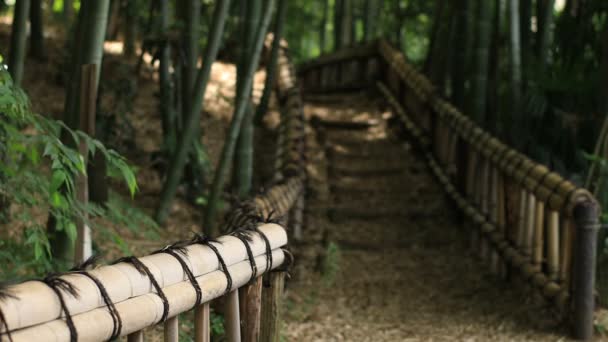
[(553, 244), (202, 329), (171, 329), (539, 235), (530, 225), (232, 320), (137, 336), (271, 308), (250, 299)]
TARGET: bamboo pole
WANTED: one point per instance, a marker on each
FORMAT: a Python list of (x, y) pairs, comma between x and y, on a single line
[(484, 247), (539, 234), (271, 308), (202, 329), (494, 200), (553, 244), (502, 218), (171, 329), (232, 320), (519, 232), (137, 336), (530, 225), (250, 298), (566, 245)]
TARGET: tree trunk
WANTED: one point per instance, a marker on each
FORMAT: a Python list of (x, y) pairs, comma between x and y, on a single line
[(37, 30), (481, 61), (516, 55), (370, 16), (68, 10), (187, 135), (342, 23), (545, 27), (461, 61), (525, 15), (437, 23), (16, 57), (271, 66), (130, 29), (92, 21), (323, 27), (243, 159), (337, 27), (241, 104), (169, 123)]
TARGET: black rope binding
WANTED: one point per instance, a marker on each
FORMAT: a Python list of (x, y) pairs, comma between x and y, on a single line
[(175, 250), (206, 241), (245, 238), (55, 283), (4, 294), (83, 270), (144, 270)]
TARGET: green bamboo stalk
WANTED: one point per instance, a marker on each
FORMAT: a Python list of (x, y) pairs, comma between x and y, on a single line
[(323, 27), (16, 57), (271, 66), (166, 91), (515, 49), (481, 59), (37, 29), (545, 28), (461, 61), (243, 159), (178, 159), (233, 133)]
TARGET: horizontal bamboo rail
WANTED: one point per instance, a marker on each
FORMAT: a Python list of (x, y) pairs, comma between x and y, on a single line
[(528, 218), (98, 300)]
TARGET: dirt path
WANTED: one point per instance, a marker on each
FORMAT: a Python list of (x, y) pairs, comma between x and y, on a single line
[(402, 270)]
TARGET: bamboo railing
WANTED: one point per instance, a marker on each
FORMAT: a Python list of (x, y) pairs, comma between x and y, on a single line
[(530, 221), (125, 298)]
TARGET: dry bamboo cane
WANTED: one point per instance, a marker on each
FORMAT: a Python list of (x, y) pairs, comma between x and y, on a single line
[(483, 204), (519, 233), (202, 330), (171, 329), (137, 336), (502, 218), (495, 260), (471, 186), (251, 305), (553, 245), (530, 225), (231, 317), (566, 242), (271, 308), (539, 233)]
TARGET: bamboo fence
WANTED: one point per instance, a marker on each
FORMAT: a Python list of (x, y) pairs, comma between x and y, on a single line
[(530, 220)]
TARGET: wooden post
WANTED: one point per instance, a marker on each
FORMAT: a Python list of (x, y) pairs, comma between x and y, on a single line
[(202, 330), (232, 318), (171, 329), (88, 98), (137, 336), (553, 244), (539, 234), (271, 308), (250, 297)]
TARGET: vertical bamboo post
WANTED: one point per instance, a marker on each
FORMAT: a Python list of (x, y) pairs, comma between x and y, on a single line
[(171, 329), (566, 242), (137, 336), (539, 235), (202, 330), (587, 225), (271, 308), (483, 205), (502, 217), (494, 193), (88, 99), (519, 233), (530, 224), (250, 297), (232, 318), (553, 244)]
